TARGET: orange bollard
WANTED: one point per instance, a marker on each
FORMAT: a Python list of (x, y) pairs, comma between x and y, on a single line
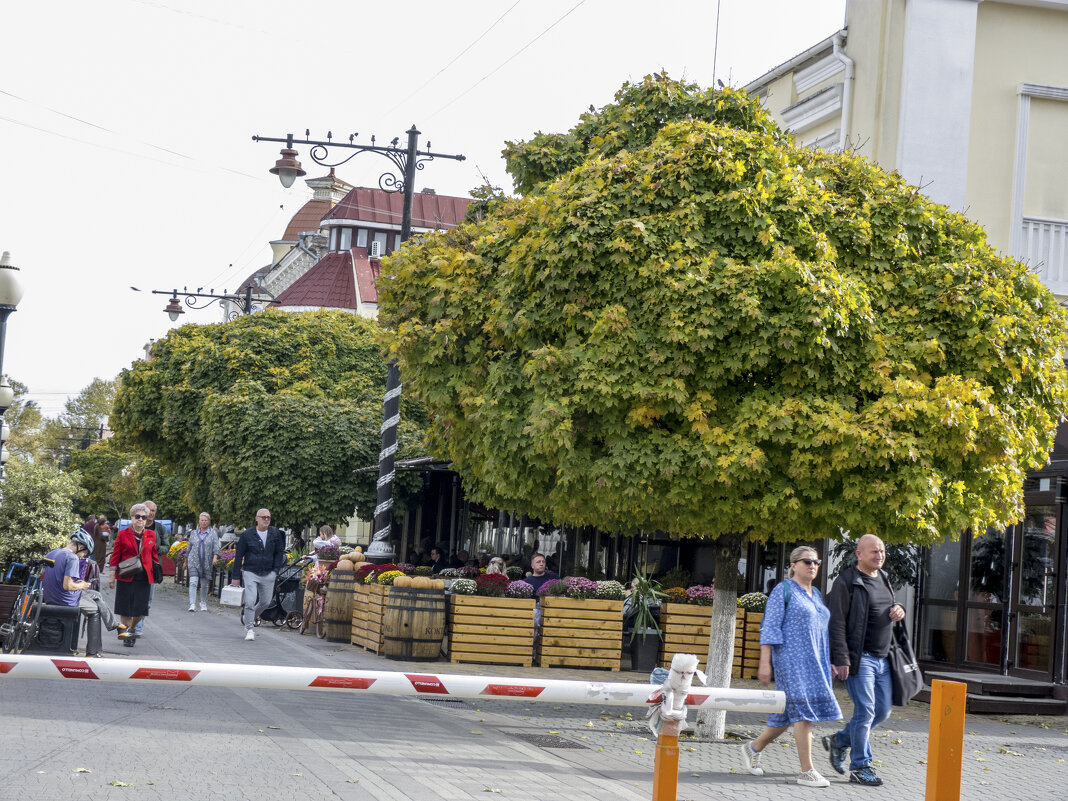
[(945, 740), (666, 763)]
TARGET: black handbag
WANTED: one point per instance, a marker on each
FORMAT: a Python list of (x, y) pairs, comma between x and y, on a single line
[(157, 573), (906, 678)]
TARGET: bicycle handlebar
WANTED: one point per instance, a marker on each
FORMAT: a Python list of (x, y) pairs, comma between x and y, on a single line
[(44, 561)]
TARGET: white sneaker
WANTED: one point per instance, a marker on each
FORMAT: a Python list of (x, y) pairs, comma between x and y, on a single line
[(812, 778), (751, 760), (192, 607), (203, 607), (250, 635)]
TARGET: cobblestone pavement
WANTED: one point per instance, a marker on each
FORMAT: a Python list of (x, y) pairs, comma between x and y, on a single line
[(67, 739)]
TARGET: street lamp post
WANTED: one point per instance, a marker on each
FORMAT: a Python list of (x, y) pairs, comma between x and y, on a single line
[(195, 300), (10, 295), (406, 160)]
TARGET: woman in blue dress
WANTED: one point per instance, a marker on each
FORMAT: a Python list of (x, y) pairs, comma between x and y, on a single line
[(793, 641)]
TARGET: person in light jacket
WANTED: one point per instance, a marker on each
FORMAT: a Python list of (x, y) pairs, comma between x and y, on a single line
[(202, 554)]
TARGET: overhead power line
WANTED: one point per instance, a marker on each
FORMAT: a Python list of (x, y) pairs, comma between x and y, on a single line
[(504, 63)]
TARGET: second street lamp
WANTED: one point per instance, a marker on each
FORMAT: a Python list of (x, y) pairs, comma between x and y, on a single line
[(10, 295), (407, 160), (200, 300)]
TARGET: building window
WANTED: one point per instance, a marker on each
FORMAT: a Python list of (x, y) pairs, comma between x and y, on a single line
[(346, 239), (361, 237)]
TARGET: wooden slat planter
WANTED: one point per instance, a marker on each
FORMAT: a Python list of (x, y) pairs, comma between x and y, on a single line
[(368, 607), (747, 644), (580, 633), (495, 630), (685, 629)]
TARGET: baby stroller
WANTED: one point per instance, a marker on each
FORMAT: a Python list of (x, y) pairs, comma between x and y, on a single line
[(285, 603)]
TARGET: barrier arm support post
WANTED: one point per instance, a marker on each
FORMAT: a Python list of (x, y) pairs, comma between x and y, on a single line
[(945, 740)]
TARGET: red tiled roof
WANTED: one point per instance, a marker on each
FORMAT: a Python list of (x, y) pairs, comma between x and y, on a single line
[(329, 284), (366, 274), (379, 206), (306, 219)]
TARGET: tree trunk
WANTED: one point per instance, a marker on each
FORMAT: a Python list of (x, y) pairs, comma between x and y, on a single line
[(711, 723)]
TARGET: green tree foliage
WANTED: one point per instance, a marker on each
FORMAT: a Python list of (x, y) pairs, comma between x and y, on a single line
[(79, 425), (714, 331), (24, 419), (37, 512), (272, 409), (691, 324)]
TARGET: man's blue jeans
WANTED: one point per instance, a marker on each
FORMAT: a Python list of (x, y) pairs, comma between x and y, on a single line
[(871, 694)]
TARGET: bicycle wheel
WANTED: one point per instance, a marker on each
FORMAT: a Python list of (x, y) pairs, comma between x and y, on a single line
[(30, 629), (320, 626), (294, 619), (309, 614), (11, 630)]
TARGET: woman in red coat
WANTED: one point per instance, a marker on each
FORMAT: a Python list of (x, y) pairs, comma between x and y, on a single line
[(131, 597)]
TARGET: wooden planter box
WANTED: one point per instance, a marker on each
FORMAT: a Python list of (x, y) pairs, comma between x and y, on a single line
[(685, 629), (368, 605), (580, 633), (497, 630), (746, 644)]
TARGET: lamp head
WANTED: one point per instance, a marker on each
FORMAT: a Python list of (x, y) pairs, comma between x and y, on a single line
[(7, 397), (287, 168), (10, 288), (174, 308)]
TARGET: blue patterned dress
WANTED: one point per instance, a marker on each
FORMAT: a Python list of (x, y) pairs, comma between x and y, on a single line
[(800, 654)]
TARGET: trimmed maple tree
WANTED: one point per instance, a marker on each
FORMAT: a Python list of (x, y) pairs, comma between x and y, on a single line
[(271, 409), (690, 324)]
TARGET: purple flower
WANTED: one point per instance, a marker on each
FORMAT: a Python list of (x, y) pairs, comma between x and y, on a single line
[(544, 588), (701, 595), (580, 587), (519, 589)]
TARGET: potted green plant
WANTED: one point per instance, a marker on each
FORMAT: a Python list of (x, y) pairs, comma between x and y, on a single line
[(645, 596)]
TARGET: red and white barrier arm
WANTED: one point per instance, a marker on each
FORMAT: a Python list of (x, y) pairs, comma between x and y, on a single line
[(381, 682)]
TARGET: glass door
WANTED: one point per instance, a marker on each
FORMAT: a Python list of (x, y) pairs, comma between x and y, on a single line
[(1035, 588)]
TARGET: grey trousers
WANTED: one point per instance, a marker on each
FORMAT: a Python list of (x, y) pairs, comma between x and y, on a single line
[(257, 597), (93, 603)]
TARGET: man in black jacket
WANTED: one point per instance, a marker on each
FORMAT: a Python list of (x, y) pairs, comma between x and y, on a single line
[(863, 612), (261, 551)]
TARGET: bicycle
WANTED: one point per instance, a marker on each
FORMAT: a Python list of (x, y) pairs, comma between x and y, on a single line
[(22, 625), (314, 607)]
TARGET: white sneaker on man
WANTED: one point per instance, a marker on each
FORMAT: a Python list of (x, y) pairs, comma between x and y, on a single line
[(203, 607), (751, 759), (250, 635), (192, 607)]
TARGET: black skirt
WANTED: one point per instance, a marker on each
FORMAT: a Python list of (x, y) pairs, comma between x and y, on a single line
[(131, 597)]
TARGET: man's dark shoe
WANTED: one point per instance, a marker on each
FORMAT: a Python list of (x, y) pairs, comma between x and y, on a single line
[(837, 754), (866, 776)]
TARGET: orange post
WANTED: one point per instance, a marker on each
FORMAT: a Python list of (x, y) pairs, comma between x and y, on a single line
[(666, 763), (945, 740)]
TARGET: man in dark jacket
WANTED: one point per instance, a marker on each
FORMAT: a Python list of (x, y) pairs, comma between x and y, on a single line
[(261, 551), (863, 612)]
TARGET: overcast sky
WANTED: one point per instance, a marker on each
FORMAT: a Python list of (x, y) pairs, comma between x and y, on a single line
[(126, 129)]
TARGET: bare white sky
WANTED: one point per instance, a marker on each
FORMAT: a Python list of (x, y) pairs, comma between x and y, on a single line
[(126, 129)]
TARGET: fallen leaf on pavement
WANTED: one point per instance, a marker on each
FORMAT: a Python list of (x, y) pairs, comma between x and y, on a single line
[(117, 783), (1004, 750), (274, 727), (82, 770), (491, 790)]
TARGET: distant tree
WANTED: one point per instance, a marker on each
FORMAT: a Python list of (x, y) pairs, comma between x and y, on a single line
[(24, 420), (37, 511), (79, 425), (272, 409), (690, 324)]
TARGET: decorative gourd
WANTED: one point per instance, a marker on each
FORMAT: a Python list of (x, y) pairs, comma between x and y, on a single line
[(421, 582), (402, 581), (357, 556), (437, 584), (358, 549)]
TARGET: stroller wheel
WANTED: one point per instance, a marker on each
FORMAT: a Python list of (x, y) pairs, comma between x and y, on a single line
[(278, 622), (293, 620)]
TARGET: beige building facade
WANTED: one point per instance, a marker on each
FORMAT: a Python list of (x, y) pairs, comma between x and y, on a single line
[(966, 98)]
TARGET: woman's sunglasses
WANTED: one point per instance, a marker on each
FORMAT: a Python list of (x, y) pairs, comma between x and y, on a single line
[(140, 517), (811, 562)]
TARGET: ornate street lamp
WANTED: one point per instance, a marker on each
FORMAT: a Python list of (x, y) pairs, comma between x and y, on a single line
[(10, 295), (406, 160), (201, 300)]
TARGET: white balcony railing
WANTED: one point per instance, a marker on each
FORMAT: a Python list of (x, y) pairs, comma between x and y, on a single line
[(1044, 247)]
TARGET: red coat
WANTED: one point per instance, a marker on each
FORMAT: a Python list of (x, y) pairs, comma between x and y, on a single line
[(126, 546)]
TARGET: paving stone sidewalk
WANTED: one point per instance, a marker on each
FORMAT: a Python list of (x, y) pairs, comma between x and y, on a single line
[(177, 743)]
